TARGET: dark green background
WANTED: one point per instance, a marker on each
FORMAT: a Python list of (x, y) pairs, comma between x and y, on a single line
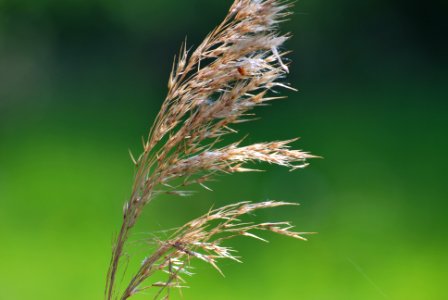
[(81, 81)]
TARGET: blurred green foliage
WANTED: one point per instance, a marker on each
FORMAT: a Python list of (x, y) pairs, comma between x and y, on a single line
[(81, 81)]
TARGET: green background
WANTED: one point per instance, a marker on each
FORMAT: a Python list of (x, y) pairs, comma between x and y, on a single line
[(81, 81)]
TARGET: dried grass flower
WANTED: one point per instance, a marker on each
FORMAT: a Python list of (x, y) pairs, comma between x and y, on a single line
[(237, 67)]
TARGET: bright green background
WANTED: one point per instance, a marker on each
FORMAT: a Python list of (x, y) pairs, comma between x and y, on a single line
[(81, 81)]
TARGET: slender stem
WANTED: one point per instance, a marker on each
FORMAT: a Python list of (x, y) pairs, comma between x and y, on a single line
[(145, 270), (116, 255)]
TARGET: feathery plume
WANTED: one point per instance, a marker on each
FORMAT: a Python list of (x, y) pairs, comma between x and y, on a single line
[(237, 67)]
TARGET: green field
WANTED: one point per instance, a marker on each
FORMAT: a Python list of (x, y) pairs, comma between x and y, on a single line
[(82, 81)]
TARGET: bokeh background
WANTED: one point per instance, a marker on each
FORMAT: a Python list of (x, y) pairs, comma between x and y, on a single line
[(81, 81)]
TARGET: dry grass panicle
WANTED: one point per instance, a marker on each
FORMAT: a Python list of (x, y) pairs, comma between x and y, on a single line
[(235, 69)]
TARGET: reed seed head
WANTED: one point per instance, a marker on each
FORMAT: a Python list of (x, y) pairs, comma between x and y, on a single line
[(239, 66)]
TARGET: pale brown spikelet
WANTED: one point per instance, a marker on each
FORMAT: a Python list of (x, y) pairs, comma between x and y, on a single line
[(235, 69), (203, 239)]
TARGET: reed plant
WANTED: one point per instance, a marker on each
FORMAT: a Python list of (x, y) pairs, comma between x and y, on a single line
[(239, 66)]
